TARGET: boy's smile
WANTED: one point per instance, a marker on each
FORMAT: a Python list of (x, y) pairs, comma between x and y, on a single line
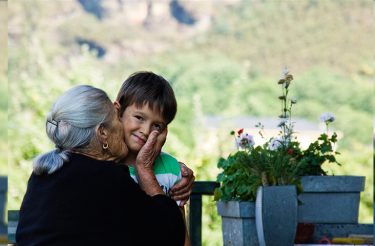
[(139, 139), (138, 123)]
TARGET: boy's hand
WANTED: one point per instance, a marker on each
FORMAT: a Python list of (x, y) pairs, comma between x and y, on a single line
[(151, 149), (182, 190)]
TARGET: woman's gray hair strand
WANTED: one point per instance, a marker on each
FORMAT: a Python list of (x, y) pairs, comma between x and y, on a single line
[(71, 124)]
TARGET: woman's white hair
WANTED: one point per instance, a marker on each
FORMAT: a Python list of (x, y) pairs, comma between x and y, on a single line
[(71, 124)]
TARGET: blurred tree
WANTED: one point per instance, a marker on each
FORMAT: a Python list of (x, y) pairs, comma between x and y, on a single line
[(228, 67)]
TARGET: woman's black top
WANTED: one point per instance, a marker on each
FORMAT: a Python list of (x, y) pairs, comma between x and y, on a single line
[(91, 202)]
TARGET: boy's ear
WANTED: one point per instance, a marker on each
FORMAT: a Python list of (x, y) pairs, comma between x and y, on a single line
[(117, 105)]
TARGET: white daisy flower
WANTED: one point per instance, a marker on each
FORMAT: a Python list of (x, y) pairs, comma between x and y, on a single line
[(327, 117), (245, 140), (285, 72), (282, 122), (275, 143)]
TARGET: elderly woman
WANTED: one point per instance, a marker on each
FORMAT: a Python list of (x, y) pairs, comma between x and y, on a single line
[(79, 195)]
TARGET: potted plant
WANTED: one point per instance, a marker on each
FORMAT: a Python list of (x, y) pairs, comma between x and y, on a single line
[(266, 174), (340, 194), (237, 195), (282, 162)]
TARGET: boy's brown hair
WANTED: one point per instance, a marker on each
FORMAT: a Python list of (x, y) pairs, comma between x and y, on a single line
[(146, 87)]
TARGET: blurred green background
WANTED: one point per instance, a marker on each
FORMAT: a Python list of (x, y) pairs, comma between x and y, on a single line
[(3, 88), (223, 58)]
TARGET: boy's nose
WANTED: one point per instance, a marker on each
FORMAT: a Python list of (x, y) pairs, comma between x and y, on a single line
[(146, 130)]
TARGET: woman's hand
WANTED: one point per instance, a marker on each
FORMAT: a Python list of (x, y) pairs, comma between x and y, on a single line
[(182, 190), (144, 162), (151, 149)]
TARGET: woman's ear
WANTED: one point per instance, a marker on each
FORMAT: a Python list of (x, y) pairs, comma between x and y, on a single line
[(102, 134)]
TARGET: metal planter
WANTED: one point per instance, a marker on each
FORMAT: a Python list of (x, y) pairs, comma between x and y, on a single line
[(330, 199), (276, 215), (238, 223)]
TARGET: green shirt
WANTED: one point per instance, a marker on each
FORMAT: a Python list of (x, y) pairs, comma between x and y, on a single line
[(167, 171)]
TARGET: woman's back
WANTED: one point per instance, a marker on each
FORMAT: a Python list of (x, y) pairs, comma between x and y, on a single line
[(92, 202)]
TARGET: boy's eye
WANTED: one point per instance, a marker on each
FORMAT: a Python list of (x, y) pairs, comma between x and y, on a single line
[(158, 127), (138, 117)]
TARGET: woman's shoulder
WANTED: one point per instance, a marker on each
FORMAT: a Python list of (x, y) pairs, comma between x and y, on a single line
[(80, 170), (79, 161)]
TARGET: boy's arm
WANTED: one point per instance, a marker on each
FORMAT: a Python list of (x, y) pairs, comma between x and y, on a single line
[(187, 238), (182, 190)]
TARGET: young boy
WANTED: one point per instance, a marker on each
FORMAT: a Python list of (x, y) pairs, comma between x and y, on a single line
[(146, 102)]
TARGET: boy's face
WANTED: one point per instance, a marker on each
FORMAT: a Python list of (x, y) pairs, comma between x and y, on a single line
[(138, 123)]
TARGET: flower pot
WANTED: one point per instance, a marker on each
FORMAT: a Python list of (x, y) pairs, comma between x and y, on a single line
[(330, 199), (276, 215), (238, 223)]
